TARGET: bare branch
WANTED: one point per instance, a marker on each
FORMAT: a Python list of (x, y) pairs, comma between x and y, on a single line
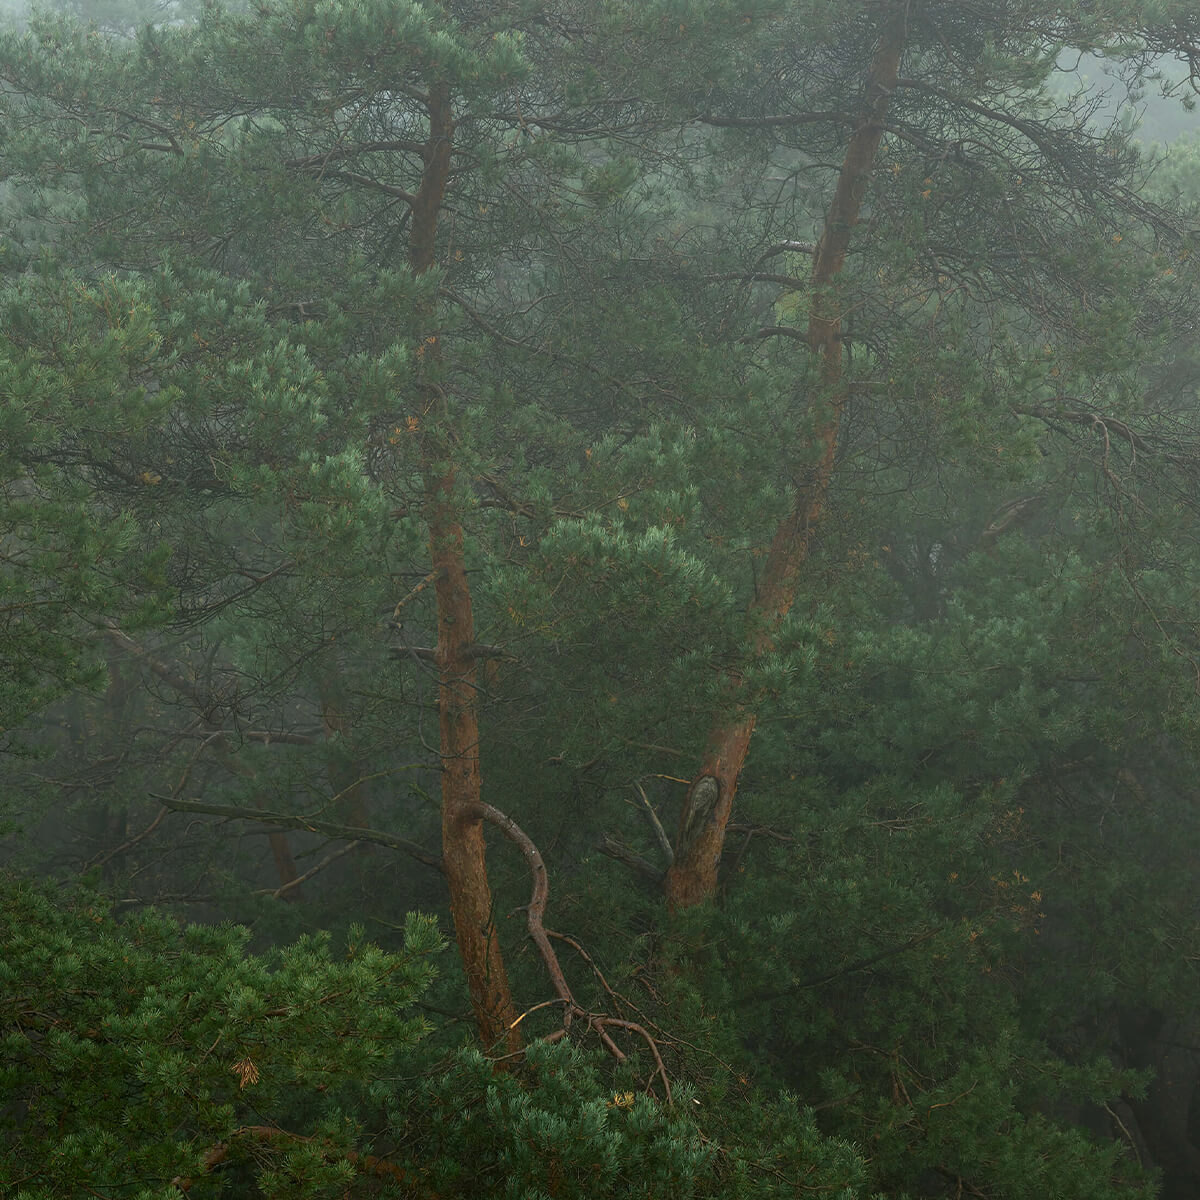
[(775, 121), (420, 587), (325, 862), (535, 912), (611, 847), (655, 824), (286, 821)]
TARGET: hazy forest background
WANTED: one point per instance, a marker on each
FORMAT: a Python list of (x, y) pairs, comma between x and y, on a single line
[(599, 598)]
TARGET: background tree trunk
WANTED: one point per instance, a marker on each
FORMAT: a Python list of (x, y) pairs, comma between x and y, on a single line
[(693, 876)]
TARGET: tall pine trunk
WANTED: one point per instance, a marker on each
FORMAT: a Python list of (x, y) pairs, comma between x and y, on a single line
[(463, 848), (706, 813)]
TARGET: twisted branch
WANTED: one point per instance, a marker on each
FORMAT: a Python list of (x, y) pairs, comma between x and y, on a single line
[(535, 912)]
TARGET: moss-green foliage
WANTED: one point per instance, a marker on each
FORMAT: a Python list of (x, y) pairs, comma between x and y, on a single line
[(142, 1057), (132, 1049), (964, 836)]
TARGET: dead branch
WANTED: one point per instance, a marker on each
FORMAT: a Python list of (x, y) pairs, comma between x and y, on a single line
[(420, 587), (535, 912), (328, 860), (612, 847), (286, 821), (659, 832)]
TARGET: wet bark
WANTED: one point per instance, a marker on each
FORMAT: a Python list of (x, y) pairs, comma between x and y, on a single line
[(463, 847), (706, 812)]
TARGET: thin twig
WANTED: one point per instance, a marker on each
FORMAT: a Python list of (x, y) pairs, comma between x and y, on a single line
[(286, 821), (325, 862), (659, 832)]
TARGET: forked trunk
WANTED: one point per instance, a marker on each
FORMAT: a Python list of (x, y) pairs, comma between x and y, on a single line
[(693, 876)]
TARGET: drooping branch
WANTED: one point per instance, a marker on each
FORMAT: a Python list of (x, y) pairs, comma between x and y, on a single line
[(775, 120)]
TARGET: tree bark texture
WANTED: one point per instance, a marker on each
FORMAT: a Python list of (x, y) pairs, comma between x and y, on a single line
[(706, 812), (463, 847)]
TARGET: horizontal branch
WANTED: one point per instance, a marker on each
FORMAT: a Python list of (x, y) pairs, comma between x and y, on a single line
[(265, 736), (342, 152), (787, 247), (786, 281), (286, 821), (474, 650), (785, 331), (776, 121)]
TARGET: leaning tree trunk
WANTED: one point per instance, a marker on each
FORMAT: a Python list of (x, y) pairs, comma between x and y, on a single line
[(693, 876), (463, 849)]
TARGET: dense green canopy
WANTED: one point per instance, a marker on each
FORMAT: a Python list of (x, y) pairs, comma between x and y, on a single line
[(742, 457)]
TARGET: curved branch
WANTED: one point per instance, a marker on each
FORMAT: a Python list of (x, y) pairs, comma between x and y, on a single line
[(535, 912)]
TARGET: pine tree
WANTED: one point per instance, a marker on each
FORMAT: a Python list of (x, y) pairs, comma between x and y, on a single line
[(791, 391)]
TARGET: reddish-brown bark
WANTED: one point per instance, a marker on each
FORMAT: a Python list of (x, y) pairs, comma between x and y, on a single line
[(693, 876), (463, 848)]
